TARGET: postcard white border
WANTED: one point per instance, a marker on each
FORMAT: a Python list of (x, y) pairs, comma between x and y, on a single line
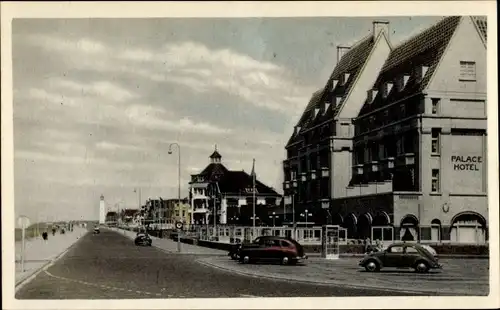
[(245, 9)]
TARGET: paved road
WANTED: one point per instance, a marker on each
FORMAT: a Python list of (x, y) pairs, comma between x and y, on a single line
[(459, 276), (109, 266)]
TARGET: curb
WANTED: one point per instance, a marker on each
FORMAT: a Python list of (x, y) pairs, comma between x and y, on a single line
[(21, 283), (324, 283)]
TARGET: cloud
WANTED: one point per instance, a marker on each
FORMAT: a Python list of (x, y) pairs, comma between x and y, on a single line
[(117, 116), (156, 118), (101, 88), (191, 64), (53, 43)]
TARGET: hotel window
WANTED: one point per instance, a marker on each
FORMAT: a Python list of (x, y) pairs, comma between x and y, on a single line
[(435, 105), (176, 212), (402, 110), (467, 70), (435, 141), (435, 180), (399, 145)]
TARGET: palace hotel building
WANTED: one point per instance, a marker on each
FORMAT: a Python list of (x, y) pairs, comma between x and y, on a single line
[(394, 145)]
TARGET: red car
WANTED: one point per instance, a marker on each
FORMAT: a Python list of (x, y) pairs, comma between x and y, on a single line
[(272, 249)]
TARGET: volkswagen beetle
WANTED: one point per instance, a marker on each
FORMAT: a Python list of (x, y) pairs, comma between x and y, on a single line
[(401, 255)]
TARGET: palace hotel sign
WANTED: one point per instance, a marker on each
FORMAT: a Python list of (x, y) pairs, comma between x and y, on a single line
[(468, 163)]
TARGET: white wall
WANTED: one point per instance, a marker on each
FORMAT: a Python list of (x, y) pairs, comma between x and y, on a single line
[(465, 45), (365, 80)]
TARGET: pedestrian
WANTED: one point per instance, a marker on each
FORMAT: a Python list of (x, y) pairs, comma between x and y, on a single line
[(53, 231), (45, 236), (368, 245)]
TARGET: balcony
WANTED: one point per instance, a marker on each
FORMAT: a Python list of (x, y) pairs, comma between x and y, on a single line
[(313, 174), (325, 172), (374, 166), (199, 195), (294, 183), (325, 203)]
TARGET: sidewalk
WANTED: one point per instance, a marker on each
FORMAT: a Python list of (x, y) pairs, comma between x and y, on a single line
[(40, 252), (169, 245)]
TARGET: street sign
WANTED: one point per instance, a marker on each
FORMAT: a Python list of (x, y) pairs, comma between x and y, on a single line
[(178, 225), (23, 221)]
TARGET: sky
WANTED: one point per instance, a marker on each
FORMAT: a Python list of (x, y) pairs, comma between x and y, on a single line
[(97, 102)]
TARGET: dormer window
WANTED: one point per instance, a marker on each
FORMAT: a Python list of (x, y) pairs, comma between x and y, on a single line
[(346, 77), (297, 129), (326, 106), (404, 80), (316, 111), (386, 89), (338, 99), (371, 94), (422, 71), (334, 84)]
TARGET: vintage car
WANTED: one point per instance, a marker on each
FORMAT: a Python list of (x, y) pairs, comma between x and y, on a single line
[(402, 255), (272, 249), (97, 230), (143, 239)]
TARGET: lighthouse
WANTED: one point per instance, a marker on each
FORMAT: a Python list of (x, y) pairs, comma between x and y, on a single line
[(102, 211)]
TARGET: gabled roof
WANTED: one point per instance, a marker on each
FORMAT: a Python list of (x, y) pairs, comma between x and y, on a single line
[(238, 181), (351, 63), (213, 169), (424, 49)]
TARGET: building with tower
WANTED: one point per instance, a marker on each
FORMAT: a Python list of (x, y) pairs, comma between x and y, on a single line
[(228, 194)]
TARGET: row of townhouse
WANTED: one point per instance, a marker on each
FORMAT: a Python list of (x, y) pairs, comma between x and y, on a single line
[(394, 146)]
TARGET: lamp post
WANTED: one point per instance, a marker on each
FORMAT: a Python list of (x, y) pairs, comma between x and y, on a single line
[(306, 214), (179, 185), (273, 217), (139, 194)]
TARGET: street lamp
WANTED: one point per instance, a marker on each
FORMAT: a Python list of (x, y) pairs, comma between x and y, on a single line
[(273, 217), (306, 214), (179, 185), (179, 167), (139, 192)]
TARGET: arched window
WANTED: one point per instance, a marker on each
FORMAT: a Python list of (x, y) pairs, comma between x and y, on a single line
[(409, 228), (350, 223), (468, 227), (364, 227), (436, 230)]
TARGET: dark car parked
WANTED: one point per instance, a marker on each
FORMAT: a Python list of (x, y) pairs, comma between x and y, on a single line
[(143, 239), (271, 248), (97, 230), (402, 255)]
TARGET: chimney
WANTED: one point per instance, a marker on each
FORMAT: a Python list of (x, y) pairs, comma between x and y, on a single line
[(380, 25), (341, 51)]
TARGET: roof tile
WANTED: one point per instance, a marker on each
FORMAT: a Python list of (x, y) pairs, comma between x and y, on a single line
[(424, 49)]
